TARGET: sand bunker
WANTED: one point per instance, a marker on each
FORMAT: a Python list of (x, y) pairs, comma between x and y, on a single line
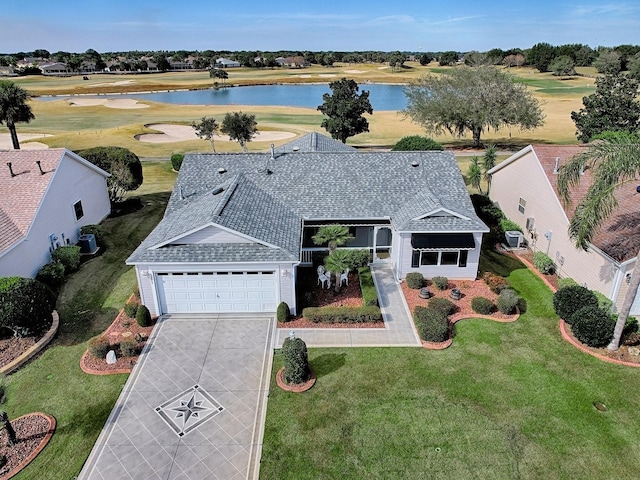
[(124, 103), (354, 71), (119, 82), (382, 68), (326, 75), (5, 141), (181, 133)]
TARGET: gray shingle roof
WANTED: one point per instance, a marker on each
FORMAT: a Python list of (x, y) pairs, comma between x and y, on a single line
[(268, 198), (314, 142)]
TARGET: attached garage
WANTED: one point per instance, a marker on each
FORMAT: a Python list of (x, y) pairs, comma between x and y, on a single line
[(217, 292)]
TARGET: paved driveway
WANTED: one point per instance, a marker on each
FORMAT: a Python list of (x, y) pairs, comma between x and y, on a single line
[(194, 406)]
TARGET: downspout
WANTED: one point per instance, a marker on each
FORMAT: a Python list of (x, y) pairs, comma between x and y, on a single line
[(399, 263)]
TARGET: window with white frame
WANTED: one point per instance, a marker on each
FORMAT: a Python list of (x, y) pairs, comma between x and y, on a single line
[(522, 204), (77, 210), (421, 258)]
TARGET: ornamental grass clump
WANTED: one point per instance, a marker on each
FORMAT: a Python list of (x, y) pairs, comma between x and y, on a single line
[(441, 283), (507, 301), (131, 309), (415, 280), (296, 361), (496, 283), (569, 300), (129, 348)]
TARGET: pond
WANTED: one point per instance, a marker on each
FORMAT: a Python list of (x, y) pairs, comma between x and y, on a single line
[(382, 97)]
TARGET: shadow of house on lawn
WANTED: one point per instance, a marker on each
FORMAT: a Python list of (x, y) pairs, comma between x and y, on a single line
[(327, 363)]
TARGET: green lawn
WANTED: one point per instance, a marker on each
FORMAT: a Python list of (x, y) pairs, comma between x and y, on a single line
[(54, 383), (505, 401)]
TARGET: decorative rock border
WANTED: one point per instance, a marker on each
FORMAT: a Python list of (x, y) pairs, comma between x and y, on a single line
[(34, 349), (295, 388), (34, 454)]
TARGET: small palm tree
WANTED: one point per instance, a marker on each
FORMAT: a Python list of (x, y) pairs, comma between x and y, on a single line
[(337, 262), (474, 174), (14, 108), (614, 161), (488, 162), (333, 235)]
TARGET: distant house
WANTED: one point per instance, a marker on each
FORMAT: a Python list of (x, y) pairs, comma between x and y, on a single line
[(292, 62), (57, 68), (226, 63), (239, 226), (47, 196), (524, 186)]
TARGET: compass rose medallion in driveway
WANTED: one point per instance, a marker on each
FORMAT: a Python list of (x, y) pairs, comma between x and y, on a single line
[(190, 409)]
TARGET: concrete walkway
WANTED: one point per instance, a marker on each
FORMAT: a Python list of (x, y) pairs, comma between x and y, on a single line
[(194, 406), (398, 331)]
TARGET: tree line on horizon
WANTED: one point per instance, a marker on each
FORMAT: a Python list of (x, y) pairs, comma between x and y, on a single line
[(560, 60)]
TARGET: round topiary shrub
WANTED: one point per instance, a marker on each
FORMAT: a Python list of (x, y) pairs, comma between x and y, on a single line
[(446, 307), (592, 326), (51, 274), (283, 313), (507, 301), (25, 306), (131, 309), (432, 325), (99, 347), (69, 256), (482, 305), (415, 280), (296, 361), (569, 300), (143, 317), (441, 283), (129, 348)]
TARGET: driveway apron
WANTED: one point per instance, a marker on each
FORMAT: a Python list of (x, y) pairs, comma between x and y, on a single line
[(194, 406)]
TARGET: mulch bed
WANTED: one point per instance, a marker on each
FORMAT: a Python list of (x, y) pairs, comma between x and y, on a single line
[(12, 347), (303, 387), (33, 432), (621, 355), (348, 296), (121, 328), (528, 256)]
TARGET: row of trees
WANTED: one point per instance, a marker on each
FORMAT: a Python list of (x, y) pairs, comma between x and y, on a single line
[(241, 127)]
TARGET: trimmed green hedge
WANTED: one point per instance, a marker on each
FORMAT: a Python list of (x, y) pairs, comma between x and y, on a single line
[(368, 288), (296, 361), (441, 283), (69, 256), (342, 314), (592, 326), (432, 325)]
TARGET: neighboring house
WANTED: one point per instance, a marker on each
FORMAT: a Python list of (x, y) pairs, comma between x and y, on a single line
[(238, 226), (524, 187), (314, 142), (47, 195), (292, 62), (57, 68), (226, 63)]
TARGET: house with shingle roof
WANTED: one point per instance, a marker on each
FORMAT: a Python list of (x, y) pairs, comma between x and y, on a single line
[(238, 227), (314, 142), (524, 186), (47, 196)]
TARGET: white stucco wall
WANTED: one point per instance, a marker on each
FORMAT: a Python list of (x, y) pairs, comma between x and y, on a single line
[(72, 181)]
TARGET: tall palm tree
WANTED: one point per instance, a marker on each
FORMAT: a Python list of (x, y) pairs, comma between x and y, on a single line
[(614, 161), (14, 108), (474, 174), (333, 235)]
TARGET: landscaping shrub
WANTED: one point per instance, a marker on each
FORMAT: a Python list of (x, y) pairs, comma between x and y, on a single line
[(416, 143), (496, 283), (482, 305), (630, 327), (592, 326), (507, 225), (432, 325), (96, 231), (544, 263), (357, 258), (26, 306), (296, 361), (415, 280), (507, 301), (129, 347), (68, 256), (566, 282), (176, 161), (441, 283), (283, 313), (143, 317), (51, 274), (131, 309), (569, 300), (7, 282), (367, 314), (488, 212), (446, 307), (99, 347), (368, 288)]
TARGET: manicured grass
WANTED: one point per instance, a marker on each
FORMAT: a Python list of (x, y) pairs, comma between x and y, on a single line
[(54, 383), (505, 401)]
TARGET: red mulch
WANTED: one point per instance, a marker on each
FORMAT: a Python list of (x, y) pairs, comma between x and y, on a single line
[(468, 288), (33, 432), (348, 296), (12, 347), (122, 327), (620, 355)]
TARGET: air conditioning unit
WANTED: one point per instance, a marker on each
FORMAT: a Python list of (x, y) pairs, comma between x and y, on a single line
[(513, 238), (87, 243), (530, 223)]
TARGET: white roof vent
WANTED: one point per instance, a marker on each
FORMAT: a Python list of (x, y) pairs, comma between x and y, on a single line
[(222, 170)]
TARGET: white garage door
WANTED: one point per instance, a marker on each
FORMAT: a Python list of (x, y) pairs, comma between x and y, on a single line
[(217, 292)]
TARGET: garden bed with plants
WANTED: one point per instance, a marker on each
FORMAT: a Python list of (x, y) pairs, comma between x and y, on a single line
[(33, 432), (125, 336)]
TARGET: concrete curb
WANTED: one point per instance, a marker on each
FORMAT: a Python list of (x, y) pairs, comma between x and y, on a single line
[(35, 349)]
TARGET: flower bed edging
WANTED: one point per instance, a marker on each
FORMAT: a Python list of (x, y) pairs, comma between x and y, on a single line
[(34, 454), (295, 388), (35, 349)]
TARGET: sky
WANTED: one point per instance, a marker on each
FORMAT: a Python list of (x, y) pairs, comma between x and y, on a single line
[(259, 25)]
